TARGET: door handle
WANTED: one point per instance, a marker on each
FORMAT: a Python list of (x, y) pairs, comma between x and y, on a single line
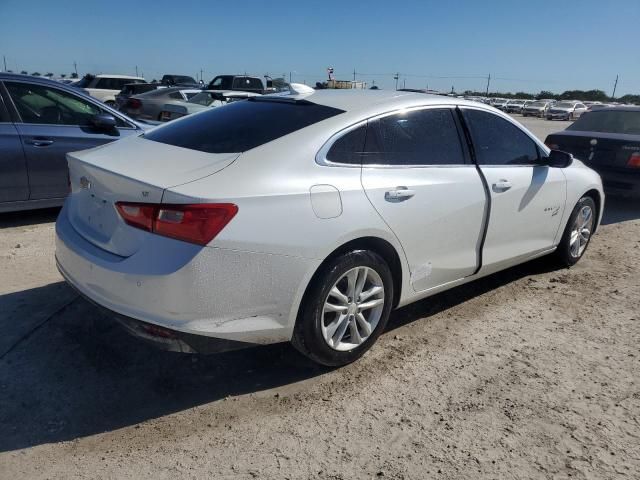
[(399, 194), (39, 142), (501, 186)]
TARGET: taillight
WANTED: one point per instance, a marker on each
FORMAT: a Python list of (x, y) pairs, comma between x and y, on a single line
[(634, 160), (197, 223), (139, 215), (134, 103)]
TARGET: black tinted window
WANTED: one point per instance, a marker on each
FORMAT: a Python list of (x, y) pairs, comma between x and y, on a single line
[(247, 83), (241, 126), (348, 148), (499, 142), (608, 121), (419, 137)]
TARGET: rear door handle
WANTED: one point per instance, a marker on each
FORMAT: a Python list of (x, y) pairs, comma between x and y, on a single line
[(399, 194), (39, 142), (501, 186)]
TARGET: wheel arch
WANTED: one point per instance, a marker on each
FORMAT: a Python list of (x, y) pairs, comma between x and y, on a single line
[(375, 244), (597, 199)]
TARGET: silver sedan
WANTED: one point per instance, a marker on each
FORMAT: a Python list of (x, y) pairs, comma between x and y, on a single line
[(148, 106)]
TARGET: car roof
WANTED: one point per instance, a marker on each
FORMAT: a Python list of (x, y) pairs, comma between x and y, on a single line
[(620, 108), (375, 100)]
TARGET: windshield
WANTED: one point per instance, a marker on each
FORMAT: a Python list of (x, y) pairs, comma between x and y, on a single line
[(537, 104), (608, 121), (565, 105), (179, 79), (84, 81), (241, 126)]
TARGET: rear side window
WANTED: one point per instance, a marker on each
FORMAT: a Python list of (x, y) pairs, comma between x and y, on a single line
[(499, 142), (418, 137), (241, 126), (349, 147)]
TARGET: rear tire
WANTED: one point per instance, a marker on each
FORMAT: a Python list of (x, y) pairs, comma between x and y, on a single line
[(577, 234), (336, 323)]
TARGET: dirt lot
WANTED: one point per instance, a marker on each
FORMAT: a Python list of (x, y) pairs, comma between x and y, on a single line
[(530, 373)]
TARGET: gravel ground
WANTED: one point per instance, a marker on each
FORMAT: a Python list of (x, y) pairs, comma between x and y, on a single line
[(530, 373)]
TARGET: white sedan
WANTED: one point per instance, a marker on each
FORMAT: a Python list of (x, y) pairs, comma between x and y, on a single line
[(309, 218)]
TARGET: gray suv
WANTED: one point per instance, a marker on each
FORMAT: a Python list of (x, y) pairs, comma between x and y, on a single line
[(40, 121)]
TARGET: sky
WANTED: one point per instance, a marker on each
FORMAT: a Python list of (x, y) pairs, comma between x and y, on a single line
[(525, 45)]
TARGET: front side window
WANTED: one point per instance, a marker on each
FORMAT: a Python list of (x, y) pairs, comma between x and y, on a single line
[(241, 126), (45, 105), (499, 142), (417, 137)]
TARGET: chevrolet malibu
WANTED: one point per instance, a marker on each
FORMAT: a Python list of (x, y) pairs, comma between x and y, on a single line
[(310, 217)]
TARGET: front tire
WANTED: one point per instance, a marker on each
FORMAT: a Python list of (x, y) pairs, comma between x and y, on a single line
[(577, 233), (345, 309)]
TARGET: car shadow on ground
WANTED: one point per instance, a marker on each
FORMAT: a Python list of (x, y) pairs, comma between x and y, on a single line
[(28, 217), (80, 374)]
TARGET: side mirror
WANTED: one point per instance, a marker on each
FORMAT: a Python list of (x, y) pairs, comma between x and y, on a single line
[(103, 121), (558, 159)]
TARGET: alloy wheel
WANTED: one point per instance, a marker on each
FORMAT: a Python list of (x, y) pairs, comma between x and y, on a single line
[(581, 231), (352, 308)]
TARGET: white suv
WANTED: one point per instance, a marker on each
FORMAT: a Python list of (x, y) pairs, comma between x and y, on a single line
[(106, 87)]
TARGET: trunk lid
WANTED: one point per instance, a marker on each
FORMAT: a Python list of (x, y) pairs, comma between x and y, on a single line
[(131, 170), (601, 151)]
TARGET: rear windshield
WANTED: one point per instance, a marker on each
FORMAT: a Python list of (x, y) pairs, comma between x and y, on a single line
[(241, 126), (608, 121)]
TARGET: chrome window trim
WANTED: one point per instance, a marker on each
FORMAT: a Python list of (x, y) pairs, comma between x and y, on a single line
[(321, 156)]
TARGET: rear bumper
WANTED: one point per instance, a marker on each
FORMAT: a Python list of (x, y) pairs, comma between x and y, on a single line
[(164, 338), (229, 295)]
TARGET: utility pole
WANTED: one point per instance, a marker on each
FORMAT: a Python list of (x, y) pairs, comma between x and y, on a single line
[(488, 82), (201, 72), (136, 70), (289, 77), (615, 85), (75, 67), (396, 77), (354, 75), (4, 59), (404, 83)]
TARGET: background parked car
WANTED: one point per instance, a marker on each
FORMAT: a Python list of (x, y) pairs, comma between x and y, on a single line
[(537, 108), (607, 140), (241, 83), (202, 101), (172, 80), (131, 89), (568, 110), (514, 106), (106, 87), (149, 105), (500, 103), (40, 122)]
